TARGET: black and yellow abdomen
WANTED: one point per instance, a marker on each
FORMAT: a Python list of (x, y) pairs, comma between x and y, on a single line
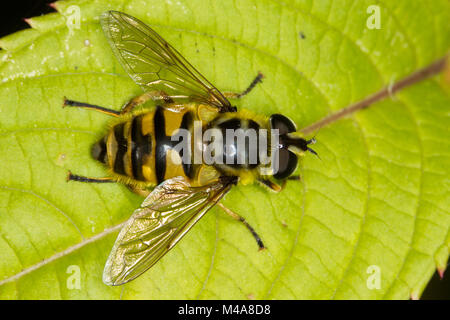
[(138, 148)]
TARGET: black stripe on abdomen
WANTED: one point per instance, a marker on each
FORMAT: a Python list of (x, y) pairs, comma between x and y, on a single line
[(122, 148), (162, 143), (141, 147), (186, 124)]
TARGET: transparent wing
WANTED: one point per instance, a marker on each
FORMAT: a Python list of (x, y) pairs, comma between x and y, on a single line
[(164, 217), (154, 64)]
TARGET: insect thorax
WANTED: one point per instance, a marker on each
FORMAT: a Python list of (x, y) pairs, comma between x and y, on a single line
[(241, 143)]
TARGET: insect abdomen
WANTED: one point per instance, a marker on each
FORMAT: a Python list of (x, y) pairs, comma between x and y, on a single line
[(140, 147), (127, 148)]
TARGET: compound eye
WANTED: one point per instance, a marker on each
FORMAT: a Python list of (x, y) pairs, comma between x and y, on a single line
[(287, 163), (282, 123)]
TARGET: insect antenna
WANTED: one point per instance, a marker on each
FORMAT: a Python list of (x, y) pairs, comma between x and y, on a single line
[(298, 143)]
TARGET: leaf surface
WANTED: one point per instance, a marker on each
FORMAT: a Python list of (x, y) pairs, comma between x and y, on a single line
[(379, 197)]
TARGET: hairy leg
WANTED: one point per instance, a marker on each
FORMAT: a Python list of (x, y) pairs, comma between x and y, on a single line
[(235, 95), (237, 217)]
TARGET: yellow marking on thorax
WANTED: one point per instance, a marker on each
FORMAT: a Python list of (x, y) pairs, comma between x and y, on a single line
[(206, 174), (247, 176)]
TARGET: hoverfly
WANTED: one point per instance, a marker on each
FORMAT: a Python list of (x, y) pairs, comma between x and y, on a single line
[(139, 153)]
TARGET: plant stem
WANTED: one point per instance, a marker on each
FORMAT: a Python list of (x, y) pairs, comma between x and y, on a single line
[(415, 77)]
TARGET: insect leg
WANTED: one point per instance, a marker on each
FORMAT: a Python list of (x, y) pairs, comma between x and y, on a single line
[(272, 185), (234, 95), (143, 98), (74, 177), (72, 103), (276, 187), (241, 219)]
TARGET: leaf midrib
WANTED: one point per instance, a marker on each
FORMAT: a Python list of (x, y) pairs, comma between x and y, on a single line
[(63, 253)]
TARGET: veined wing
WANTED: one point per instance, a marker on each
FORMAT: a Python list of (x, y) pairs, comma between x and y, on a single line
[(154, 64), (164, 217)]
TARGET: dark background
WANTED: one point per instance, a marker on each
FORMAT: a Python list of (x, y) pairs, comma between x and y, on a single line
[(12, 14), (11, 20)]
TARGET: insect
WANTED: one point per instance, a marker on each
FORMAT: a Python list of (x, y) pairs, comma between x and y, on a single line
[(139, 151)]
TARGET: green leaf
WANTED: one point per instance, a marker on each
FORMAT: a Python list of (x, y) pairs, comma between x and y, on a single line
[(378, 197)]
